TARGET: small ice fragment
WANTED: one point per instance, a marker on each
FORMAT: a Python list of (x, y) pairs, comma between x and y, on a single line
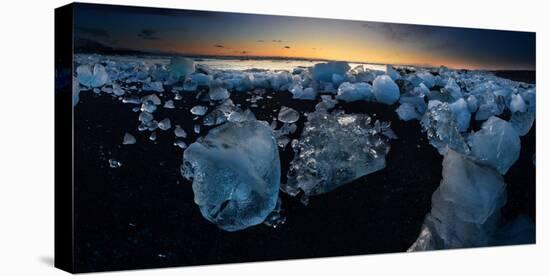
[(92, 77), (148, 106), (197, 129), (145, 117), (288, 115), (385, 90), (169, 104), (199, 110), (114, 163), (407, 112), (117, 90), (153, 98), (153, 136), (282, 141), (153, 86), (165, 124), (179, 132), (129, 139), (131, 100), (181, 144)]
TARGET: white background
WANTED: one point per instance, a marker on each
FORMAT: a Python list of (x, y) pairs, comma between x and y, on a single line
[(27, 141)]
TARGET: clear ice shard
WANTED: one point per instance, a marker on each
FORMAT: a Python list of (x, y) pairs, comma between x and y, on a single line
[(385, 90), (335, 149), (236, 174), (129, 139), (180, 132), (496, 144), (114, 163), (288, 115), (465, 206), (165, 124), (441, 127), (89, 76), (217, 92)]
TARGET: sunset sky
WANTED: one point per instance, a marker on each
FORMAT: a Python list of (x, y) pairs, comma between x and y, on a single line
[(232, 34)]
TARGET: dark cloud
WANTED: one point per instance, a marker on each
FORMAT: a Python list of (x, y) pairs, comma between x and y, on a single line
[(219, 46), (148, 34), (259, 40), (399, 32), (241, 52), (287, 47), (277, 40), (93, 32)]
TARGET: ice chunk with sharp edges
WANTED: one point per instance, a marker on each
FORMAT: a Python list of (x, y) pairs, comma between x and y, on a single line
[(496, 144), (92, 76), (325, 71), (181, 67), (385, 90), (351, 92), (461, 113), (441, 128), (517, 104), (335, 149), (288, 115), (236, 174), (217, 92), (129, 139), (465, 207)]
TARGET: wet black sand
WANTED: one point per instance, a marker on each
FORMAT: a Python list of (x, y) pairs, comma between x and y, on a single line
[(142, 214)]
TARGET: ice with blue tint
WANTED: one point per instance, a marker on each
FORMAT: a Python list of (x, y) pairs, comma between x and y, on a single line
[(76, 91), (181, 67), (426, 78), (325, 71), (394, 75), (461, 113), (236, 171), (407, 112), (300, 93), (351, 92), (517, 104), (92, 76), (217, 91), (288, 115), (465, 206), (385, 90), (441, 127), (522, 122), (453, 89), (496, 144), (335, 149)]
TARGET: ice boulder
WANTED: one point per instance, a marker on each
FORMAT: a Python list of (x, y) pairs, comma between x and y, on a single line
[(465, 206), (427, 78), (236, 174), (453, 89), (298, 92), (522, 122), (385, 90), (181, 67), (394, 75), (325, 71), (496, 144), (461, 113), (407, 112), (92, 76), (517, 104), (217, 92), (335, 149), (351, 92)]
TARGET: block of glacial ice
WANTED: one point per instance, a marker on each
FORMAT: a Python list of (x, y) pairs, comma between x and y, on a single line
[(522, 122), (427, 78), (236, 174), (217, 92), (298, 92), (496, 144), (199, 110), (441, 128), (180, 132), (517, 104), (288, 115), (461, 113), (201, 79), (153, 86), (181, 67), (89, 76), (325, 71), (351, 92), (165, 124), (326, 103), (128, 139), (385, 90), (407, 112), (465, 207), (394, 75), (472, 103), (335, 149), (453, 89)]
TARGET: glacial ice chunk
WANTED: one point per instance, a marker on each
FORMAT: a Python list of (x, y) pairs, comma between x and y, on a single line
[(288, 115), (113, 163), (465, 206), (236, 174), (180, 132), (199, 110), (427, 78), (325, 71), (217, 92), (441, 128), (165, 124), (394, 75), (351, 92), (522, 122), (335, 149), (407, 112), (298, 92), (181, 67), (461, 113), (517, 104), (153, 86), (169, 104), (496, 144), (89, 76), (129, 139), (385, 90)]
